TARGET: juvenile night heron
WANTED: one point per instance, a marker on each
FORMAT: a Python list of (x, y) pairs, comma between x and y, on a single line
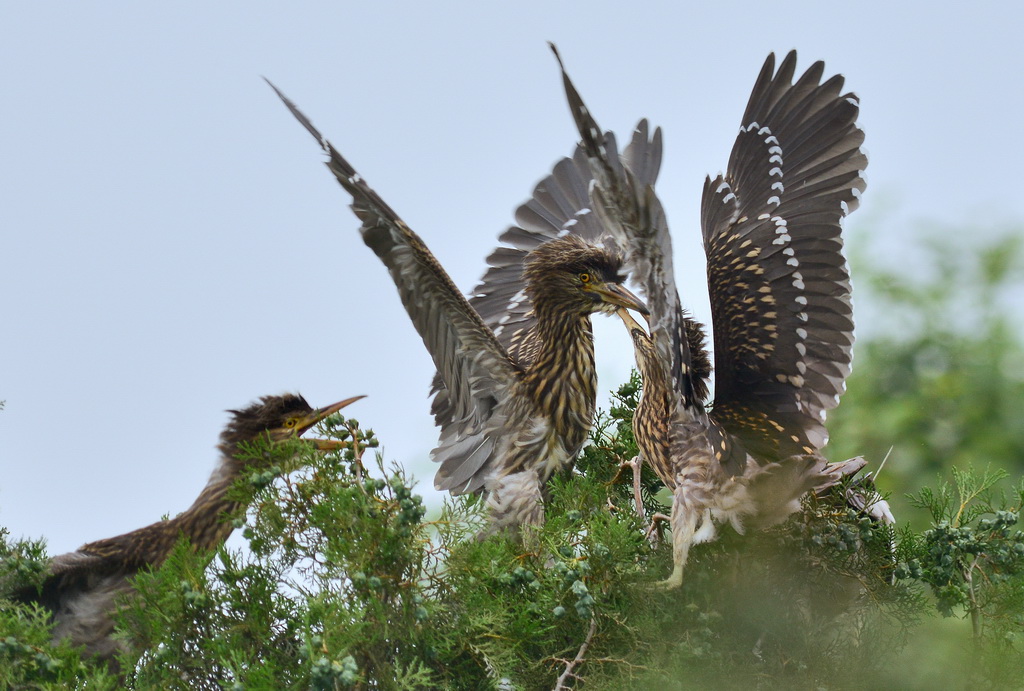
[(780, 303), (81, 587), (510, 414)]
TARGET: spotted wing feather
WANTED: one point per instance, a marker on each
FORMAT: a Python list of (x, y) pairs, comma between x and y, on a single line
[(778, 281), (560, 204)]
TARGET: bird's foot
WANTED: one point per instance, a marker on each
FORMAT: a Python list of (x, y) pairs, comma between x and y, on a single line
[(672, 582)]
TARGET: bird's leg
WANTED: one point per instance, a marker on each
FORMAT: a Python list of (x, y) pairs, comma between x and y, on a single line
[(757, 648), (515, 502), (684, 524), (637, 465)]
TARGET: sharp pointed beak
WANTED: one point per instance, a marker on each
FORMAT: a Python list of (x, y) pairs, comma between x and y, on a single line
[(619, 295), (627, 319), (320, 414)]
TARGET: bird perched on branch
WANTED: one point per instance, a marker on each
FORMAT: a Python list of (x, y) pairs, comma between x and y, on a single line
[(510, 414), (780, 303), (81, 587)]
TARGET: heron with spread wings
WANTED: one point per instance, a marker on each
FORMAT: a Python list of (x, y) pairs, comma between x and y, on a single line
[(515, 397), (780, 303), (81, 588)]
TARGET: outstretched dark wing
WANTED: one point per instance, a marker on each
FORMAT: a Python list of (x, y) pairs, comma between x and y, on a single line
[(625, 201), (80, 591), (560, 204), (473, 365), (779, 285)]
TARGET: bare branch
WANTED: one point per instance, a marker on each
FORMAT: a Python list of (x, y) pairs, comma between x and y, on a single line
[(568, 673)]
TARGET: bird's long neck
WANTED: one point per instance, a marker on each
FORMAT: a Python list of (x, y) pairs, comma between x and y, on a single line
[(563, 377), (651, 419), (206, 523)]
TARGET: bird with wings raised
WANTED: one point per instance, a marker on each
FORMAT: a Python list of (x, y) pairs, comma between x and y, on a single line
[(514, 400), (81, 588), (780, 302)]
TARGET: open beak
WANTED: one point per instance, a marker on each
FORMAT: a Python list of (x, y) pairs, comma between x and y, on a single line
[(627, 319), (320, 414), (619, 295)]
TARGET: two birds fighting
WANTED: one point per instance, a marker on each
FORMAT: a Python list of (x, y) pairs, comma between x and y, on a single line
[(516, 386), (515, 393)]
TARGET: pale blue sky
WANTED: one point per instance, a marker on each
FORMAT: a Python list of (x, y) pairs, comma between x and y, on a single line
[(172, 245)]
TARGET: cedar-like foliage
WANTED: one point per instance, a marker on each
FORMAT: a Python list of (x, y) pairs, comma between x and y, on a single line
[(346, 585)]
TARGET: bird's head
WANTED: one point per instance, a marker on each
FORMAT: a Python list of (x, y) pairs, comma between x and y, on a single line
[(278, 418), (643, 347), (571, 275)]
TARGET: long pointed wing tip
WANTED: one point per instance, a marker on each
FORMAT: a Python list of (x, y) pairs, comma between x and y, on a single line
[(558, 56), (301, 117), (279, 93), (570, 89)]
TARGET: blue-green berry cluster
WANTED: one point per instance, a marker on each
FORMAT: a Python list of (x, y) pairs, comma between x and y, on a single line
[(411, 509), (262, 478), (327, 674), (850, 534), (363, 582), (952, 552), (192, 596), (520, 577), (584, 600), (572, 576)]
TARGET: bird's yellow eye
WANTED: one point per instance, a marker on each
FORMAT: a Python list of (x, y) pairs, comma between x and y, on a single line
[(584, 277), (290, 422)]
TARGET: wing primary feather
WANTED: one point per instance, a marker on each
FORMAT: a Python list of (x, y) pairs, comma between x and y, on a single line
[(474, 367), (780, 288)]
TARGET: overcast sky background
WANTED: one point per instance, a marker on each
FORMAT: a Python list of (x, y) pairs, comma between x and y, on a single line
[(172, 245)]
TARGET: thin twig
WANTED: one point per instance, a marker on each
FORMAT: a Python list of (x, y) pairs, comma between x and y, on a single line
[(976, 624), (357, 452), (653, 533), (568, 674), (882, 464)]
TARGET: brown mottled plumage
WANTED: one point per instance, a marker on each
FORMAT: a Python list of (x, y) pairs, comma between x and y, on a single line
[(780, 302), (510, 415), (82, 586)]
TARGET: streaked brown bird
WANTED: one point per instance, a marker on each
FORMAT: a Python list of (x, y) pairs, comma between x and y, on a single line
[(780, 303), (82, 587), (510, 414)]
